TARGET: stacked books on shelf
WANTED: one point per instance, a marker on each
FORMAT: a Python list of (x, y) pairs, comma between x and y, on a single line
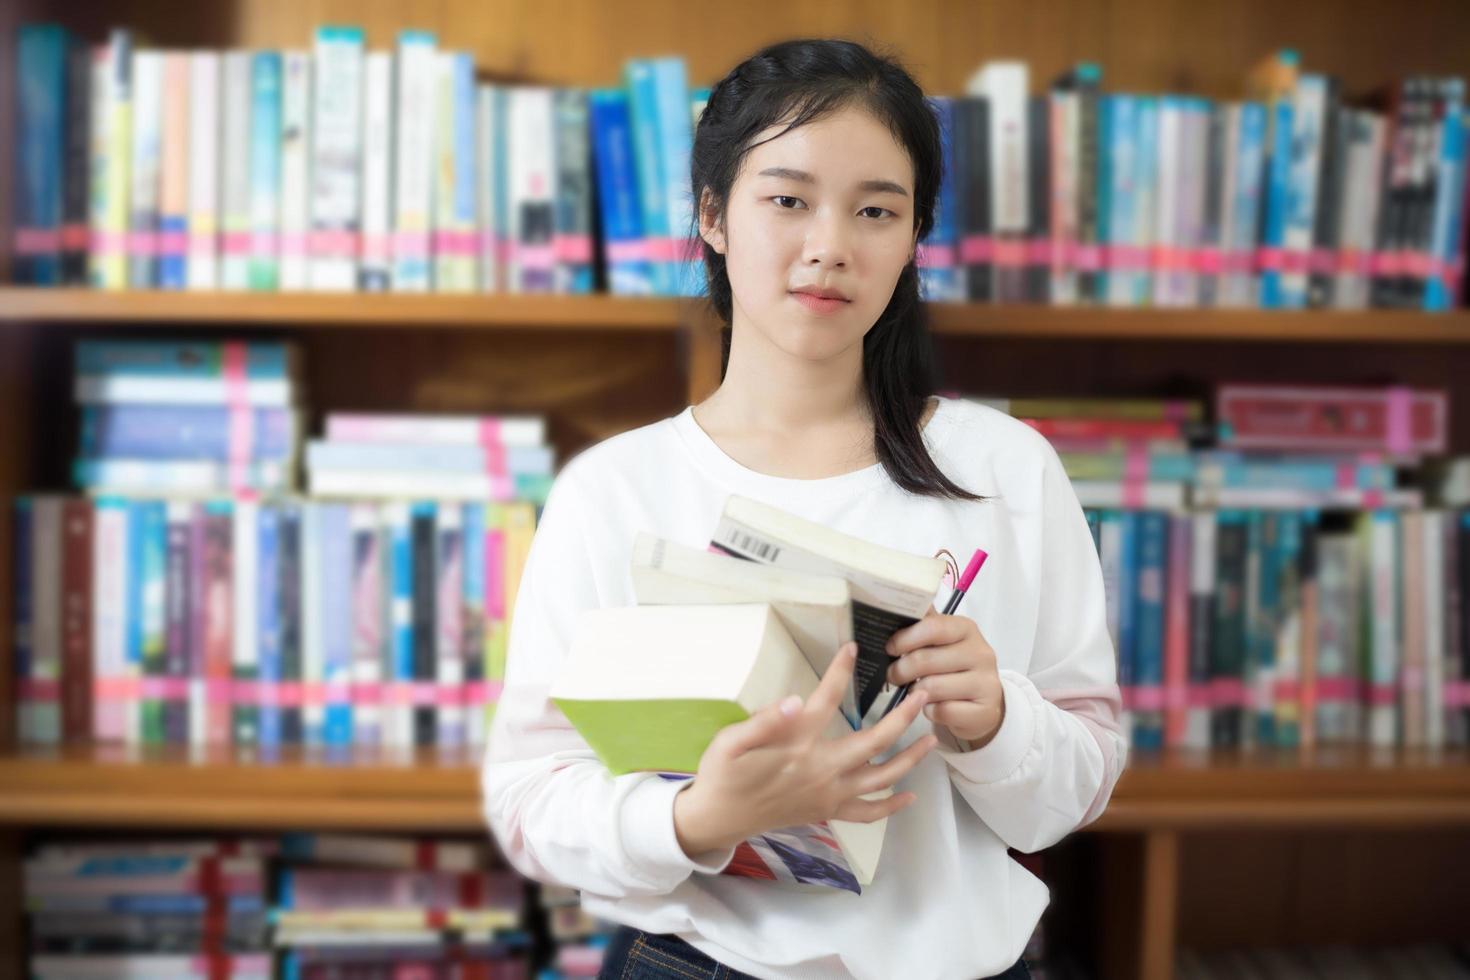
[(776, 597), (380, 907), (1289, 198), (149, 909), (338, 168), (1276, 587), (190, 599), (186, 419)]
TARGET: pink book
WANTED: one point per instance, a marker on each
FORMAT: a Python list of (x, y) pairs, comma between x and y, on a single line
[(1396, 420)]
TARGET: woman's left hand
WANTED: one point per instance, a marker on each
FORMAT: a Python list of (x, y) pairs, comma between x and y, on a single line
[(956, 666)]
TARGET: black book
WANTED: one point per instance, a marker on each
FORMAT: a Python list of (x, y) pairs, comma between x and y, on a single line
[(1038, 157), (289, 548), (972, 124), (425, 717), (1227, 656), (1327, 231)]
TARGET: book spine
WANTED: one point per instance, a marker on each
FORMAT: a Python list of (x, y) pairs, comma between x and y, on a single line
[(265, 171), (1217, 190), (1448, 210), (1110, 556), (40, 714), (572, 239), (1038, 247), (145, 169), (1122, 150), (270, 629), (675, 138), (1270, 257), (202, 265), (235, 171), (495, 606), (367, 619), (448, 623), (935, 255), (1227, 668), (295, 150), (1062, 175), (1331, 205), (197, 670), (487, 179), (532, 179), (375, 273), (413, 170), (400, 625), (173, 196), (1383, 656), (425, 724), (245, 633), (218, 616), (977, 241), (147, 617), (164, 432), (111, 570), (76, 620), (639, 80), (1152, 528), (337, 116), (1167, 219), (41, 76), (172, 680), (455, 239), (625, 253), (313, 640), (337, 624), (111, 154), (1145, 191), (1456, 731), (1202, 568), (1411, 631), (472, 627), (76, 184), (1435, 589)]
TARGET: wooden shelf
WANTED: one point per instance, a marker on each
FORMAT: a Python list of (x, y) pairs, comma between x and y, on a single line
[(424, 791), (601, 312)]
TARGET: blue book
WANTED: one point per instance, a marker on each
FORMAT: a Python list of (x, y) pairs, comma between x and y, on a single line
[(675, 128), (40, 154), (1128, 605), (1275, 202), (265, 170), (1145, 194), (173, 359), (473, 521), (1439, 288), (641, 82), (1152, 572), (573, 199), (165, 432), (939, 276), (336, 619), (625, 251), (1264, 542), (1121, 149), (268, 624), (400, 633)]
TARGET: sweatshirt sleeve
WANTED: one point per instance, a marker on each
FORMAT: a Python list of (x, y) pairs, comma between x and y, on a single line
[(556, 811), (1052, 765)]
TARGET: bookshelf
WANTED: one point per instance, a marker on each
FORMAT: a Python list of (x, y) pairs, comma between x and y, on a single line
[(1159, 862)]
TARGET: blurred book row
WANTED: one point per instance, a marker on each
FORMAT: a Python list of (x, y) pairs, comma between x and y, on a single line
[(301, 906), (187, 419), (339, 168)]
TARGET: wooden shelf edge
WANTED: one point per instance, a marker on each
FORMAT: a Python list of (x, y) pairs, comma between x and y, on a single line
[(242, 812), (21, 304)]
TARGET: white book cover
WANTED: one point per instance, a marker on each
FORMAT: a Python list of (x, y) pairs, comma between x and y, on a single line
[(417, 75), (1006, 85), (295, 167), (1166, 201), (435, 429), (245, 588), (377, 176), (202, 267), (1363, 192), (455, 240), (1433, 577), (1383, 566), (109, 616), (1065, 141), (313, 643), (369, 640), (448, 624), (1194, 139), (1310, 104), (235, 171), (336, 159), (1201, 587), (487, 181), (531, 186), (146, 169)]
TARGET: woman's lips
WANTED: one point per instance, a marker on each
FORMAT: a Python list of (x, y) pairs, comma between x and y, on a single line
[(818, 305)]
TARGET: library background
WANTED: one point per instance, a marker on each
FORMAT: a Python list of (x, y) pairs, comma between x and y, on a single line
[(302, 304)]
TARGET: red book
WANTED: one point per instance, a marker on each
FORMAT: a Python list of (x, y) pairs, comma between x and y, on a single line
[(1106, 428), (1396, 421)]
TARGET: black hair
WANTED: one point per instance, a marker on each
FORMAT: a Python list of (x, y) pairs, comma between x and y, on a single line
[(800, 81)]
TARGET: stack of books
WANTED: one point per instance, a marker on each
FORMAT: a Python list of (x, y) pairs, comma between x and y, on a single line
[(775, 597), (177, 418)]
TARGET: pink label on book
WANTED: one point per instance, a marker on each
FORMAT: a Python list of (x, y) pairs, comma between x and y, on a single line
[(424, 693), (1382, 694), (263, 244), (1039, 252), (1400, 405), (449, 695), (536, 257), (482, 692), (313, 694), (1457, 694), (246, 692), (108, 242), (235, 243), (74, 237), (1416, 264), (411, 244), (629, 250), (218, 691), (367, 692), (164, 688), (1089, 258), (1209, 261), (1148, 697), (38, 688), (399, 693), (573, 248), (1167, 258), (173, 243), (1240, 262), (1201, 695), (1338, 689), (1270, 258), (1176, 696), (1354, 262), (142, 243), (934, 256), (976, 249), (334, 242), (115, 688), (1127, 257), (336, 692), (1010, 253), (291, 694), (37, 241), (293, 243), (1227, 692), (1322, 262), (1287, 689), (203, 242), (1388, 264), (375, 246), (1294, 261), (455, 243)]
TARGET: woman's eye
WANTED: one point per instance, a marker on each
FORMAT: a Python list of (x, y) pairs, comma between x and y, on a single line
[(875, 207), (784, 197)]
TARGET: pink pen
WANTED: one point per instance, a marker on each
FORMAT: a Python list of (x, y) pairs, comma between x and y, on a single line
[(976, 560)]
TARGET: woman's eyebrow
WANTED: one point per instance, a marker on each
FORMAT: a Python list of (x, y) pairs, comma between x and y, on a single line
[(872, 184)]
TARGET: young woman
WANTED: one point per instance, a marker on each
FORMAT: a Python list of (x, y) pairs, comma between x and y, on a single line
[(816, 165)]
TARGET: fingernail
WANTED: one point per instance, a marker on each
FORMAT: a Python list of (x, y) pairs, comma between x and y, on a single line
[(791, 705), (852, 651), (921, 697)]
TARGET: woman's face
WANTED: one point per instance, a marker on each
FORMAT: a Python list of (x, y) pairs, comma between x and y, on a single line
[(828, 205)]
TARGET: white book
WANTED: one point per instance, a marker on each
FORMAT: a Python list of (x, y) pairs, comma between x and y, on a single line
[(1167, 203), (1235, 287), (1339, 586), (506, 430), (146, 169), (202, 267), (382, 484), (110, 616), (368, 637), (313, 645), (1433, 577), (448, 623), (110, 388), (815, 609), (1110, 559), (1152, 495), (295, 166), (245, 589), (455, 263), (487, 180), (377, 178), (1195, 190), (416, 81), (1201, 588), (1006, 85), (336, 159), (235, 171), (531, 186), (1363, 192), (1382, 566)]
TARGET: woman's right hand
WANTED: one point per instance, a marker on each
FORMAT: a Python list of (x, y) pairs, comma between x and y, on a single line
[(778, 769)]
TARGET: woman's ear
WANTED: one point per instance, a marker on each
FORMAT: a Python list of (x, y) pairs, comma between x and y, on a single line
[(709, 223)]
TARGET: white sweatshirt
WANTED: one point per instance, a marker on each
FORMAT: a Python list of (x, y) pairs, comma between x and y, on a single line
[(947, 900)]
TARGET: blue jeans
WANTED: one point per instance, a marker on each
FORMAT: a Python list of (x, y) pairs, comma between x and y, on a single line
[(637, 955)]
